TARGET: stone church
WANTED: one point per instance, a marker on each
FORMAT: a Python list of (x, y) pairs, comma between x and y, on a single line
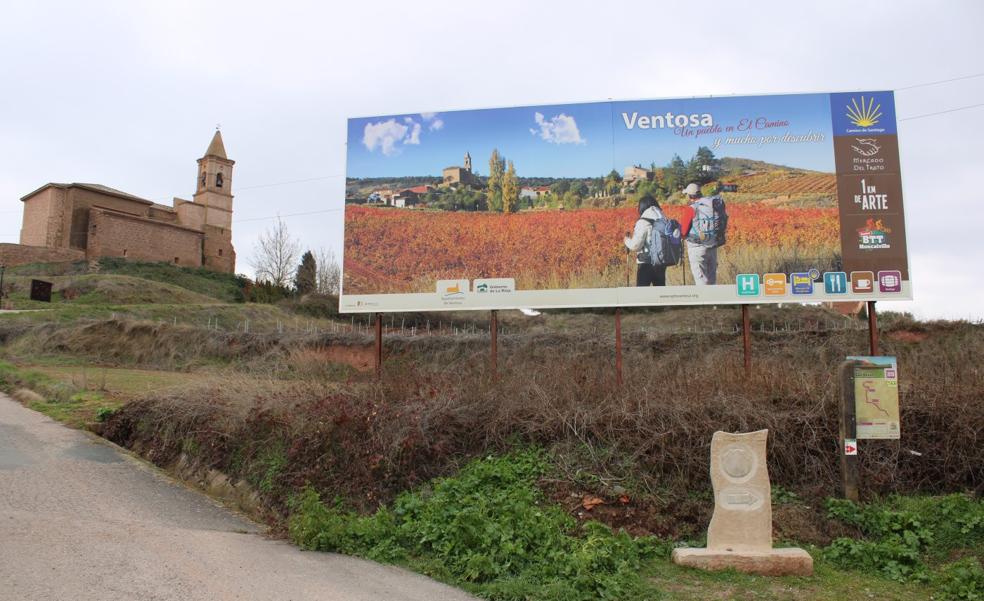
[(69, 222)]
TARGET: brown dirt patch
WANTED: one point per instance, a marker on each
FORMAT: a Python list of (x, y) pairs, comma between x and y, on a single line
[(361, 358), (907, 336)]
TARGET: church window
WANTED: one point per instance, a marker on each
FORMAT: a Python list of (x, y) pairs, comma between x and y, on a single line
[(218, 180), (220, 252), (175, 260)]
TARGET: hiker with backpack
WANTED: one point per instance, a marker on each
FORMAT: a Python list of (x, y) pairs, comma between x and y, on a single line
[(705, 223), (656, 241)]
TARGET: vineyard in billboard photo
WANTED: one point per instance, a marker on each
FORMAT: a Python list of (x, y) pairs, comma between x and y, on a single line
[(400, 251)]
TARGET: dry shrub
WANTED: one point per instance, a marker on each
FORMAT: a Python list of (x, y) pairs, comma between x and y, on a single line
[(437, 406)]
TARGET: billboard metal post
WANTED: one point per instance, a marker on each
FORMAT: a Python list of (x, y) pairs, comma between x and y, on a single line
[(746, 339), (494, 332), (872, 329), (618, 346), (379, 345), (848, 434)]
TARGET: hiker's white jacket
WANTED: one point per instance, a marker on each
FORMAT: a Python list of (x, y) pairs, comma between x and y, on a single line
[(637, 243)]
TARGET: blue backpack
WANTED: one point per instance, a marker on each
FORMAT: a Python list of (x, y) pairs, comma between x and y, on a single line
[(664, 244)]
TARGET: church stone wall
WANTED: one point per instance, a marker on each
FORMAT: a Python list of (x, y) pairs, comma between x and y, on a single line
[(113, 234), (218, 250), (42, 218), (83, 200)]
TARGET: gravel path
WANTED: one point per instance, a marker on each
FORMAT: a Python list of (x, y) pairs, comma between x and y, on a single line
[(81, 520)]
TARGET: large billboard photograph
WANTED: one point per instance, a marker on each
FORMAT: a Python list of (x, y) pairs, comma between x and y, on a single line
[(789, 198)]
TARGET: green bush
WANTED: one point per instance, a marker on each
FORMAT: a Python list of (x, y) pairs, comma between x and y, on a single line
[(104, 413), (962, 581), (905, 536), (489, 530)]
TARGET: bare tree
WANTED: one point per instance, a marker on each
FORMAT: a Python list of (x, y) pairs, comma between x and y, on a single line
[(329, 271), (275, 255)]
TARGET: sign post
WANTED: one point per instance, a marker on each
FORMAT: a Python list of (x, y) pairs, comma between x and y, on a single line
[(494, 331), (379, 345), (618, 346), (869, 410), (848, 434), (746, 339), (872, 329)]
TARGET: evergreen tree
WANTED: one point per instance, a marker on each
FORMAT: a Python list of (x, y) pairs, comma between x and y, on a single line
[(497, 168), (510, 190), (675, 175), (612, 181), (306, 280), (702, 168)]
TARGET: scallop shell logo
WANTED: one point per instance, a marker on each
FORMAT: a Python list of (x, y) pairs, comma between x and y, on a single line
[(866, 114)]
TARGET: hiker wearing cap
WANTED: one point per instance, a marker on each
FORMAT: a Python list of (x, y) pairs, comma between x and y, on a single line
[(647, 274), (703, 225)]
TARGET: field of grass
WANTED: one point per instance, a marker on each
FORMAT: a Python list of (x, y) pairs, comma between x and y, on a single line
[(222, 287), (563, 249), (102, 289)]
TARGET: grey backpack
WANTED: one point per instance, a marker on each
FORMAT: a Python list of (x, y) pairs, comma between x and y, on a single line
[(710, 223)]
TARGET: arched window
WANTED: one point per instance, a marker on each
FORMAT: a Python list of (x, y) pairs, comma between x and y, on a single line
[(218, 180)]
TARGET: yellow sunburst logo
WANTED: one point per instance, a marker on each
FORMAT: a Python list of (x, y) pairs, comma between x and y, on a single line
[(866, 114)]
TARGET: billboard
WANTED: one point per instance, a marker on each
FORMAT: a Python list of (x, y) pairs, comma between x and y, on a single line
[(755, 199)]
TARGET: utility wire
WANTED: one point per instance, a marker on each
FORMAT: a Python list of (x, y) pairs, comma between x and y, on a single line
[(289, 215), (936, 83), (959, 108)]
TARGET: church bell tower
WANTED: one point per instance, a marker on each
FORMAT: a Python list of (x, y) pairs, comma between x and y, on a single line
[(214, 192)]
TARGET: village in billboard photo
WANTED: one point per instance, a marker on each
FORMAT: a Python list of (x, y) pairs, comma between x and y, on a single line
[(605, 195)]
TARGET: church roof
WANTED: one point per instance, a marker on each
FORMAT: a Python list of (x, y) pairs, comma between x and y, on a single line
[(93, 187), (216, 148)]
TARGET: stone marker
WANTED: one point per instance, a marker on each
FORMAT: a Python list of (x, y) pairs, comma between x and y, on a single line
[(740, 534)]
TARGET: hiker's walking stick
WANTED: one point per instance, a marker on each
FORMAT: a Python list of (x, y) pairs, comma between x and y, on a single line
[(683, 263), (628, 268)]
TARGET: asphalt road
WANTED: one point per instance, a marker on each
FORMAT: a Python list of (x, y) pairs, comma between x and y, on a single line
[(81, 520)]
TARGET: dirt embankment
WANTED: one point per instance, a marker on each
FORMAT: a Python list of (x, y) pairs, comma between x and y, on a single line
[(646, 442)]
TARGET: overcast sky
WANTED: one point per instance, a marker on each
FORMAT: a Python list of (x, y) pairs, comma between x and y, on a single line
[(127, 94)]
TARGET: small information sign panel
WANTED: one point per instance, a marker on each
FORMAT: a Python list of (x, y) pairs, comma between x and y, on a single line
[(876, 397)]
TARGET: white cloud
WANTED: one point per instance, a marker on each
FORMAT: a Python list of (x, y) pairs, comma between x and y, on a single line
[(435, 122), (414, 137), (385, 135), (559, 129)]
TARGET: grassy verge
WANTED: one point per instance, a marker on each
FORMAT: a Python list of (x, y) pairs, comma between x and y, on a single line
[(56, 398), (80, 395)]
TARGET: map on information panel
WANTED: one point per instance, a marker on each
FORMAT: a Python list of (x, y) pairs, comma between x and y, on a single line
[(876, 397)]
